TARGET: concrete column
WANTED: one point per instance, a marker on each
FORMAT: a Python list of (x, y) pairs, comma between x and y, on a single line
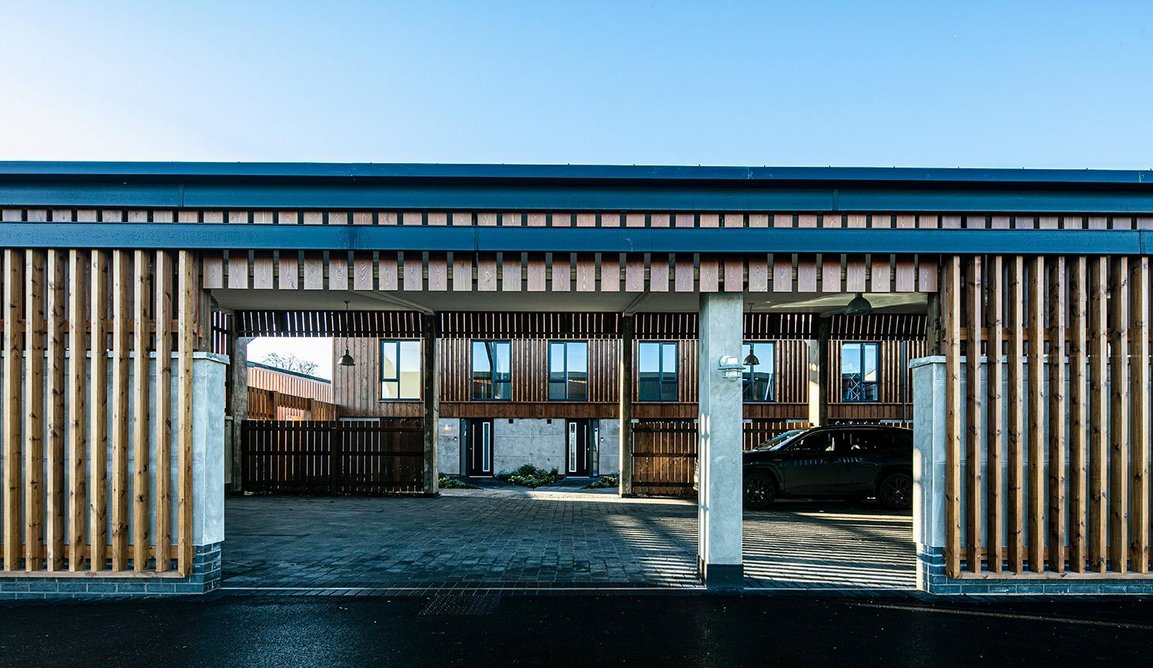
[(929, 469), (237, 408), (208, 371), (430, 376), (720, 429), (815, 388), (625, 394)]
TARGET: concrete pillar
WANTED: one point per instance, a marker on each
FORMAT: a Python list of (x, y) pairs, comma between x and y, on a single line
[(929, 470), (625, 394), (815, 385), (720, 430), (430, 376), (208, 371)]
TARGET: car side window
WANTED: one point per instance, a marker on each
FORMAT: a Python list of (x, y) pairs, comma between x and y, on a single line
[(858, 442), (814, 443)]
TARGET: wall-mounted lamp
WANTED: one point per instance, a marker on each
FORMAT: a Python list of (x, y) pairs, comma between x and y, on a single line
[(731, 367)]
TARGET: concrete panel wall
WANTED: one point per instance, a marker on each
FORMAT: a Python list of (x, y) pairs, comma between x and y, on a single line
[(448, 447), (609, 460), (537, 442)]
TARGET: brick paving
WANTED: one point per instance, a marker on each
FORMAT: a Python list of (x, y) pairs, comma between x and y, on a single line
[(519, 540)]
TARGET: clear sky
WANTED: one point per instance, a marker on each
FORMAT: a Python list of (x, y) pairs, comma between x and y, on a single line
[(973, 83)]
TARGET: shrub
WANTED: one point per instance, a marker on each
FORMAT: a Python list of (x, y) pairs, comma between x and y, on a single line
[(609, 480), (530, 476), (447, 482)]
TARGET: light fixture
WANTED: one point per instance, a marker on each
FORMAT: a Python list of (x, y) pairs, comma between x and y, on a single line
[(730, 367), (751, 359), (346, 359), (859, 306)]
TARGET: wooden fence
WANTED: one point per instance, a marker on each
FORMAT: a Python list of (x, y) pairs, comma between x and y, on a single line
[(665, 452), (1047, 442), (339, 458)]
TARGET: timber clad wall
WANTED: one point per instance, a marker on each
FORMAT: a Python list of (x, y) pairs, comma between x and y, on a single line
[(1047, 450), (80, 485), (357, 388)]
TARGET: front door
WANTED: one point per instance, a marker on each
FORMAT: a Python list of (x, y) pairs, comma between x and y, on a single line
[(581, 437), (478, 447)]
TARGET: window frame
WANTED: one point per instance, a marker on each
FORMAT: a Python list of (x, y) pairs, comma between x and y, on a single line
[(566, 372), (492, 380), (748, 385), (381, 343), (663, 376), (876, 384)]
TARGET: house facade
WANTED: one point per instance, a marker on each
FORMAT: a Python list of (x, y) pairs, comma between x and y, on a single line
[(543, 388)]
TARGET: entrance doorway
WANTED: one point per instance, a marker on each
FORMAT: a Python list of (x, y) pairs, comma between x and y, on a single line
[(580, 447), (478, 447)]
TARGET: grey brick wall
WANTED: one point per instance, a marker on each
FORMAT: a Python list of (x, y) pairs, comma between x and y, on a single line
[(205, 578), (931, 578)]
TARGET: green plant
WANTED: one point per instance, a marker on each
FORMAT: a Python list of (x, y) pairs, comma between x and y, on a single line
[(609, 480), (530, 476), (447, 482)]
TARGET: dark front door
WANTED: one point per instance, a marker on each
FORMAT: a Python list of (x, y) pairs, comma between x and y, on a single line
[(580, 439), (478, 447)]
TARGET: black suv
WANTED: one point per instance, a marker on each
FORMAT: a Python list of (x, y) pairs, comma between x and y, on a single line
[(846, 461)]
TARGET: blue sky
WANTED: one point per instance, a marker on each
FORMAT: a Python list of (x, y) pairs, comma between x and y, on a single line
[(1003, 84)]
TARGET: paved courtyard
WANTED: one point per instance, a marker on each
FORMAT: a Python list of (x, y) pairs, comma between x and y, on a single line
[(540, 540)]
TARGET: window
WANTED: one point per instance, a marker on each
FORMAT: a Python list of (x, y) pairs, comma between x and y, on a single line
[(813, 443), (859, 372), (399, 370), (657, 371), (758, 378), (568, 370), (491, 374)]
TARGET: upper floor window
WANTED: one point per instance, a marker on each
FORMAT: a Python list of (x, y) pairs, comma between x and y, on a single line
[(568, 370), (859, 372), (491, 370), (758, 376), (399, 369), (657, 371)]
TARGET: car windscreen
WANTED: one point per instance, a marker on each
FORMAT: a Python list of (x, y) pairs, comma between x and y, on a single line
[(780, 440)]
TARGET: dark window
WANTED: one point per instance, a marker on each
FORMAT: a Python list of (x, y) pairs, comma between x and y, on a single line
[(758, 378), (491, 370), (657, 371), (858, 442), (814, 443), (859, 372), (568, 370), (399, 370)]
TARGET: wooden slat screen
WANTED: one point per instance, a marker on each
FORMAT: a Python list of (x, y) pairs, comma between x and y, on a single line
[(338, 458), (86, 475), (1051, 476)]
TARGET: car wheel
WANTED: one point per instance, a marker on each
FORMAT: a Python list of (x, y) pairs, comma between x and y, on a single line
[(895, 491), (760, 490)]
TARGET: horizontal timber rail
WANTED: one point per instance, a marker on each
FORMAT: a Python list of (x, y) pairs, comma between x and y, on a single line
[(153, 235)]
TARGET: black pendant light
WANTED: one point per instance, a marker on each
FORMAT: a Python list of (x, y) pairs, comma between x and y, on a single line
[(346, 359), (751, 359), (859, 306)]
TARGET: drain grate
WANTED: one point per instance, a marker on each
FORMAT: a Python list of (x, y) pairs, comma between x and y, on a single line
[(456, 605)]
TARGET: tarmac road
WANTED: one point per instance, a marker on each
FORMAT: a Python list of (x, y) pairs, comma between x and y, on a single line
[(637, 630)]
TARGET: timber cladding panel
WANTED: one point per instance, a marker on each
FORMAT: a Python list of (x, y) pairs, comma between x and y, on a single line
[(1049, 476), (97, 466), (411, 271)]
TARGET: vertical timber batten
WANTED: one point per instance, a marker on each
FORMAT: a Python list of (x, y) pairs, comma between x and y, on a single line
[(186, 331), (1035, 305), (163, 418), (1078, 415), (1015, 449), (121, 317), (1098, 413), (973, 425), (1118, 414), (98, 400), (951, 334), (54, 411), (12, 406), (625, 397), (1057, 435), (78, 264), (995, 414), (140, 411), (1139, 410), (34, 333)]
